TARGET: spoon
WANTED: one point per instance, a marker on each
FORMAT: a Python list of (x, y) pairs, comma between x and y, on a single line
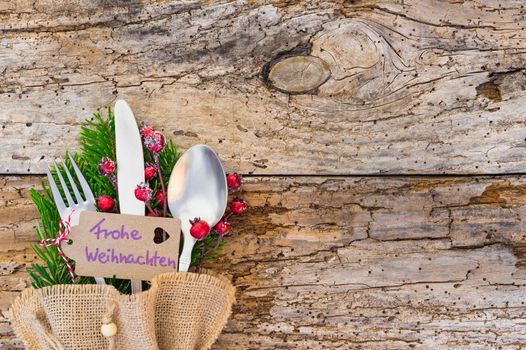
[(197, 189)]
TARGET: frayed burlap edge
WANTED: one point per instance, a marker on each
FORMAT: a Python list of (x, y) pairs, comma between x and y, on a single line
[(19, 320), (211, 278)]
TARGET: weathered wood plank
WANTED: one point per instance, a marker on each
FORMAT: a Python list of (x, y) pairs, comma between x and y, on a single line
[(412, 87), (14, 257), (379, 263), (18, 212), (336, 262)]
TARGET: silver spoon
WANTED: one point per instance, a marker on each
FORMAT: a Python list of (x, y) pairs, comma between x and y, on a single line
[(197, 188)]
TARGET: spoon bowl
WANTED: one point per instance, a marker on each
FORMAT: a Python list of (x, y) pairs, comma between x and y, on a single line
[(197, 189)]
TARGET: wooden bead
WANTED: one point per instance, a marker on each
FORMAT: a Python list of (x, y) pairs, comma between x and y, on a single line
[(109, 329)]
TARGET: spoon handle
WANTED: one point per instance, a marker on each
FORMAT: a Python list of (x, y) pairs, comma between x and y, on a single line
[(186, 256)]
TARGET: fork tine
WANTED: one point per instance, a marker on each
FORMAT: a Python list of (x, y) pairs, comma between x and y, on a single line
[(83, 183), (61, 207), (73, 184), (64, 186)]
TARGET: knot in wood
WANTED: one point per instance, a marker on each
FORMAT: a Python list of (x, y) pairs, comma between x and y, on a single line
[(365, 67), (299, 74)]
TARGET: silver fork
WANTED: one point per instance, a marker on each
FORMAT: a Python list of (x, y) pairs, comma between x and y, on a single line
[(73, 209)]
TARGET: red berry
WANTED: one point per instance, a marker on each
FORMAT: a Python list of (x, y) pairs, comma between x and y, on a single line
[(146, 131), (105, 203), (233, 181), (150, 171), (200, 228), (106, 166), (155, 142), (222, 227), (238, 206), (159, 197), (143, 192)]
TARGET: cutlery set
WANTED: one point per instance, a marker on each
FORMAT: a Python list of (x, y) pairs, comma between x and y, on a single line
[(197, 187)]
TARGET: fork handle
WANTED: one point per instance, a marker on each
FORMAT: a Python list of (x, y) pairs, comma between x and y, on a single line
[(100, 280)]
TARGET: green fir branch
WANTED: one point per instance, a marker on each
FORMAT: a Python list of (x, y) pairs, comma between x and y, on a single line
[(167, 159), (209, 241), (97, 140)]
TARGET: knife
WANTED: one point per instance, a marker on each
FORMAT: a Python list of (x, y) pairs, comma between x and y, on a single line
[(130, 165)]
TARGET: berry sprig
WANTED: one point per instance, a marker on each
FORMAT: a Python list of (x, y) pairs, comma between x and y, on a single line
[(200, 229), (154, 141), (107, 168)]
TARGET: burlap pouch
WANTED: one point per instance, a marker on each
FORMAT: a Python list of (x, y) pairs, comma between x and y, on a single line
[(180, 311)]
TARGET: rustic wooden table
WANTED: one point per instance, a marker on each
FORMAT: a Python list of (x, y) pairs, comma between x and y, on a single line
[(382, 143)]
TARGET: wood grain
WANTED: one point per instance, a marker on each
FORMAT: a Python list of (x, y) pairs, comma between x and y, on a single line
[(338, 262), (415, 86)]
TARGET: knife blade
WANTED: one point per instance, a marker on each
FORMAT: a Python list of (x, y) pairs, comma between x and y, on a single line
[(130, 164)]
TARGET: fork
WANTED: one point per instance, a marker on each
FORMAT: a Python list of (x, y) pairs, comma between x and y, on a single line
[(73, 209)]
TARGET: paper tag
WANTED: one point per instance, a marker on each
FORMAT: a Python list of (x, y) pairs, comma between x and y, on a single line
[(125, 246)]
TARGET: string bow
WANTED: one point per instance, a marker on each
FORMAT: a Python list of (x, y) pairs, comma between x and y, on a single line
[(64, 229)]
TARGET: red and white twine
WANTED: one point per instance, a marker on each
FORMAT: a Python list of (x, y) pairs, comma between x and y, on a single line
[(64, 229)]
